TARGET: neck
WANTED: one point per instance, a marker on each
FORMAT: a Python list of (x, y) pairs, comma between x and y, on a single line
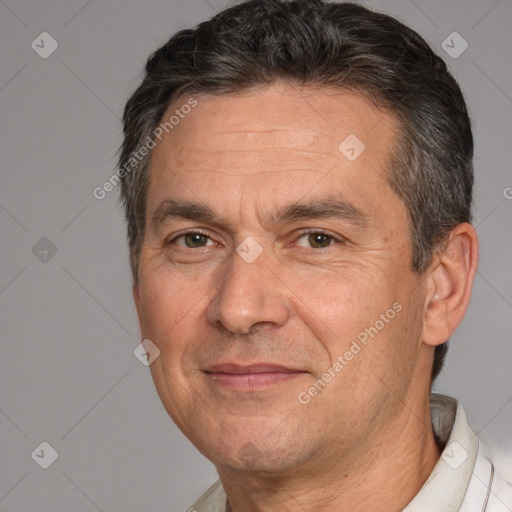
[(383, 474)]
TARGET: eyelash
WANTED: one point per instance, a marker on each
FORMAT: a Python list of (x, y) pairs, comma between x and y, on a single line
[(336, 239)]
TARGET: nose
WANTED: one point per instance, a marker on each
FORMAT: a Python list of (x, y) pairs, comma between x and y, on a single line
[(249, 294)]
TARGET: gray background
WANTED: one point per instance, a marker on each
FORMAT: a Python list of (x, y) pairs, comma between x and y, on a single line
[(68, 373)]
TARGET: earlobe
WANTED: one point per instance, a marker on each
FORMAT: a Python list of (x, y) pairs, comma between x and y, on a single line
[(449, 285)]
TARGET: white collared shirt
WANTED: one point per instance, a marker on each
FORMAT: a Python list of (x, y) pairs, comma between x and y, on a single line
[(464, 479)]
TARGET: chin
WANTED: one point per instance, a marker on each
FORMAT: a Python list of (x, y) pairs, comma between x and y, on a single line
[(265, 453)]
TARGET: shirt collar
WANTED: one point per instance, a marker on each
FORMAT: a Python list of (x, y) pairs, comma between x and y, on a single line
[(447, 485)]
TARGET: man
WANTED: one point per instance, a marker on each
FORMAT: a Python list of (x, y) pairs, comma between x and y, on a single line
[(297, 179)]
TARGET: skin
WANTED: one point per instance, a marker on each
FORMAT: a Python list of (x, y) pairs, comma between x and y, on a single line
[(365, 441)]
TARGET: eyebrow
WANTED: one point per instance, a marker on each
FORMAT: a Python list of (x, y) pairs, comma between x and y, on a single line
[(169, 209), (332, 207)]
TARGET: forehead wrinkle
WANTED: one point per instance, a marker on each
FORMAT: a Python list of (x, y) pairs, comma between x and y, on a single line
[(253, 161), (279, 148), (285, 136), (272, 130), (275, 138), (253, 146), (272, 171)]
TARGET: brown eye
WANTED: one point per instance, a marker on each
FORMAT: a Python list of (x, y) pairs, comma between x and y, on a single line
[(316, 240), (319, 240), (193, 240)]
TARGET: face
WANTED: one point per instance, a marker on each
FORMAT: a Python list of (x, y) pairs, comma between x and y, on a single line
[(275, 277)]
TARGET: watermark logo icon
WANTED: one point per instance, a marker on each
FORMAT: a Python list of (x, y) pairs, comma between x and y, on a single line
[(454, 45), (44, 45), (44, 250), (146, 352), (249, 249), (454, 455), (250, 455), (45, 455), (352, 147)]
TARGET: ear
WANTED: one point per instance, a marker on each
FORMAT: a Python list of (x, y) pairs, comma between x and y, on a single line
[(449, 284)]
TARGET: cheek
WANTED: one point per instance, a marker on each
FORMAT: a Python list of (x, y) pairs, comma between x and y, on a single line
[(337, 307), (170, 308)]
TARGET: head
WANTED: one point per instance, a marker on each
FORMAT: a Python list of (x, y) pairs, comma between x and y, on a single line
[(258, 126)]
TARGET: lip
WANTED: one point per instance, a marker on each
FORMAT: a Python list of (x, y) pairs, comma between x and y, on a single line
[(233, 368), (252, 377)]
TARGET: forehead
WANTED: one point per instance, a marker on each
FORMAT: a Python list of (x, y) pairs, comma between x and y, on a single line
[(277, 141)]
